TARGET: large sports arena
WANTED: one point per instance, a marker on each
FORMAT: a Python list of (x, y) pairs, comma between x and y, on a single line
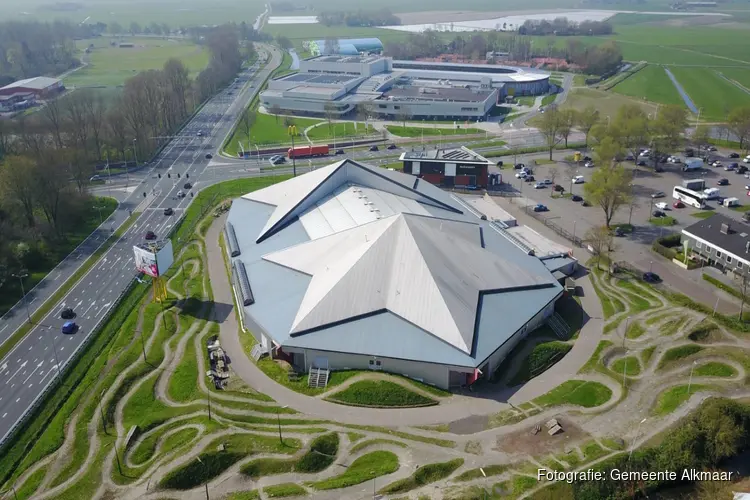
[(354, 267), (337, 84)]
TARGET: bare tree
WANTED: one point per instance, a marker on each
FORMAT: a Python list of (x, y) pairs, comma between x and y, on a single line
[(331, 45), (53, 113), (18, 183), (76, 118), (403, 116), (567, 122), (744, 289), (275, 111), (553, 174), (246, 122), (599, 238), (571, 170), (95, 109), (116, 128), (329, 109), (50, 182)]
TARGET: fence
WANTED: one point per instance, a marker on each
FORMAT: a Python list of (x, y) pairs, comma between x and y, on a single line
[(549, 222)]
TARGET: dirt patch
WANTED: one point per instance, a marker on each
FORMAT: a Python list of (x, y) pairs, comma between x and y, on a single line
[(469, 425), (542, 443)]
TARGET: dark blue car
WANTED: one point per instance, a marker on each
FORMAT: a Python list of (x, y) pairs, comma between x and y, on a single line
[(69, 327)]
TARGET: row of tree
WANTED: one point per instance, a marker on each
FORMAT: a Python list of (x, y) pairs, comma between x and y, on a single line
[(562, 26), (49, 156), (360, 17), (737, 128), (593, 59)]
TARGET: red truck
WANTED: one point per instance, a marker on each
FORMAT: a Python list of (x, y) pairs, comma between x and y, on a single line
[(307, 151)]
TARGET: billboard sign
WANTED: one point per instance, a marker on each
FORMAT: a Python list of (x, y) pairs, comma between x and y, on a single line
[(145, 261), (164, 257)]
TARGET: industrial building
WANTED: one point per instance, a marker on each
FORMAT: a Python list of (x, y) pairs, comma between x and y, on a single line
[(393, 89), (448, 167), (351, 266), (40, 87)]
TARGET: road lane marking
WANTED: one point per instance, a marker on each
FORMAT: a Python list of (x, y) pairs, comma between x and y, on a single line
[(19, 369), (32, 373)]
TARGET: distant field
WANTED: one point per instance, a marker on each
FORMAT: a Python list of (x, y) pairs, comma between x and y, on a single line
[(650, 83), (741, 76), (711, 92), (111, 66)]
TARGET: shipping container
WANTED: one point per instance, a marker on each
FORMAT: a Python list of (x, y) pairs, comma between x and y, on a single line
[(308, 151)]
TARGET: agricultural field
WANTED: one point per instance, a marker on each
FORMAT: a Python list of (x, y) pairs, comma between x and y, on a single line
[(607, 103), (709, 91), (652, 84), (109, 66)]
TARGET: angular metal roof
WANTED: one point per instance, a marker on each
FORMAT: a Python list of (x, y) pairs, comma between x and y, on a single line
[(430, 272)]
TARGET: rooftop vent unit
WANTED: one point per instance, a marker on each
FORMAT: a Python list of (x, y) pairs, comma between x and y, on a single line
[(747, 247), (725, 229)]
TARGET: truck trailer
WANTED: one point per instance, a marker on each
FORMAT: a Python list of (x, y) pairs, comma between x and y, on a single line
[(692, 164), (694, 184), (308, 151)]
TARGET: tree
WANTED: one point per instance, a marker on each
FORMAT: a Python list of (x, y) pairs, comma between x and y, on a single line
[(738, 122), (607, 152), (571, 171), (246, 123), (275, 111), (403, 116), (284, 42), (599, 238), (553, 175), (331, 45), (550, 126), (114, 28), (135, 28), (586, 119), (667, 129), (701, 135), (53, 113), (630, 128), (567, 122), (329, 109), (609, 188), (743, 283), (18, 184)]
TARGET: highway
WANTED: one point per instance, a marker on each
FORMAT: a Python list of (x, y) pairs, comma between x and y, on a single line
[(38, 358)]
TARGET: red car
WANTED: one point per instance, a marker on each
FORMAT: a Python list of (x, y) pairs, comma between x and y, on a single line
[(678, 204)]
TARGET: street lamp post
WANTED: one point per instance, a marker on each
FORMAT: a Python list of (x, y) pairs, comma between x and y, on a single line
[(690, 381), (292, 131), (278, 421), (483, 489), (637, 434), (21, 275)]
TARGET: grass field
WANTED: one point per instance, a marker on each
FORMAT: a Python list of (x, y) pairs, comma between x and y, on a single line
[(340, 130), (576, 392), (111, 66), (425, 475), (670, 399), (709, 91), (607, 103), (740, 75), (650, 83), (365, 468), (266, 130), (630, 365)]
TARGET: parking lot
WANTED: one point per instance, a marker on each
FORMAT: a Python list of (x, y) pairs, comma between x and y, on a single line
[(577, 219)]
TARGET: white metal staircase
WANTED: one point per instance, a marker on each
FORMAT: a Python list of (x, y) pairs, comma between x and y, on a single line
[(318, 377), (559, 326)]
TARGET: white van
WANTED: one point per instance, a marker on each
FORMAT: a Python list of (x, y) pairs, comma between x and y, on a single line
[(578, 179), (731, 202), (711, 193)]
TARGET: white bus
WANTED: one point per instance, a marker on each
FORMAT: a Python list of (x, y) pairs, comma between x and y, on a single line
[(690, 197)]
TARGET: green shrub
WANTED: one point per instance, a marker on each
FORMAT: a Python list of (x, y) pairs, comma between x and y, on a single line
[(542, 357), (284, 490), (364, 468), (322, 453), (424, 475), (676, 353), (267, 467), (380, 393), (723, 286), (489, 470)]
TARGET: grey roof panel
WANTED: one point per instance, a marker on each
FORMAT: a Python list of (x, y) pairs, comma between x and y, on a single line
[(734, 242)]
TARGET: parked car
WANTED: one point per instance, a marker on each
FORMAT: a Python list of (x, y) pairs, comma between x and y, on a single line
[(559, 188), (651, 277), (658, 194), (746, 159), (95, 178), (392, 146), (69, 327), (540, 185), (575, 197), (689, 152), (187, 185), (540, 208), (518, 166), (521, 175), (168, 211), (374, 148), (150, 235), (180, 194), (499, 163), (716, 163), (741, 169), (276, 159), (578, 179), (723, 181), (529, 178), (209, 156), (662, 205), (641, 163), (731, 167), (339, 151), (547, 182), (674, 159), (711, 148), (746, 216), (678, 204), (619, 231), (67, 313), (658, 213), (586, 158), (588, 164), (734, 155)]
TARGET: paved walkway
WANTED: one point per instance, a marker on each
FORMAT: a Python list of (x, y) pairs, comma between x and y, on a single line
[(484, 402)]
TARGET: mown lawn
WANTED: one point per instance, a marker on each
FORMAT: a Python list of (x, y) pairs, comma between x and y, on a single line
[(715, 369), (676, 354), (576, 392), (400, 131), (380, 393), (268, 130), (541, 357), (340, 130), (364, 468), (650, 83), (630, 364), (284, 490)]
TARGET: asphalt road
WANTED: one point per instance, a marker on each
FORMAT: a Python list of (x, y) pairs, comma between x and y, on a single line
[(35, 361)]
